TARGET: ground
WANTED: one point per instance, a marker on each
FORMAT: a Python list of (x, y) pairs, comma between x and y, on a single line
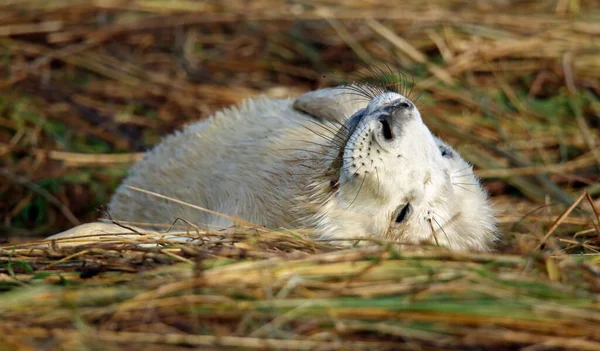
[(89, 85)]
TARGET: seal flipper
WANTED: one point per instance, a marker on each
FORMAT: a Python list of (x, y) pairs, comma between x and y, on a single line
[(331, 104)]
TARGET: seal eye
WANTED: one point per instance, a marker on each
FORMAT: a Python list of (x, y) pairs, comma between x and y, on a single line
[(446, 152), (403, 213)]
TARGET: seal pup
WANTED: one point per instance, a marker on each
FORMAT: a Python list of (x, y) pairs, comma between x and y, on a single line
[(355, 161)]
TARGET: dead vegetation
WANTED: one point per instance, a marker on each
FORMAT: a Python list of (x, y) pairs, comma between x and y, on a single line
[(88, 85)]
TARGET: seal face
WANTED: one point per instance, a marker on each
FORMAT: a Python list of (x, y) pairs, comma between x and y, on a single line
[(346, 167), (399, 182)]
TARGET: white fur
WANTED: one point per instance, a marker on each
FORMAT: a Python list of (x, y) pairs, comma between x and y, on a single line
[(267, 163)]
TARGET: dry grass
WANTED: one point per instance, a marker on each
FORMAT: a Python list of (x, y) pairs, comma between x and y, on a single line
[(88, 85), (278, 290)]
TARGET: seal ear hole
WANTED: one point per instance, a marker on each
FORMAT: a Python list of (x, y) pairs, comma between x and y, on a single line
[(404, 212), (446, 152)]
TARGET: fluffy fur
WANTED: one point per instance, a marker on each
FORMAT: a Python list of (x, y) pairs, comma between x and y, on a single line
[(346, 166)]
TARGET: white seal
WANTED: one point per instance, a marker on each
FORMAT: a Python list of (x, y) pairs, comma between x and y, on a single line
[(331, 160)]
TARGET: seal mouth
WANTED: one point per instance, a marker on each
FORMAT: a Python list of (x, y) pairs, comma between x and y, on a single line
[(342, 137), (347, 131), (352, 123)]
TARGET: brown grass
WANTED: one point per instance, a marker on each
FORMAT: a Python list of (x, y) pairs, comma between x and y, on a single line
[(88, 85)]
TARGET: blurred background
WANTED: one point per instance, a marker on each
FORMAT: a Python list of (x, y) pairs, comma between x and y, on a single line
[(87, 86)]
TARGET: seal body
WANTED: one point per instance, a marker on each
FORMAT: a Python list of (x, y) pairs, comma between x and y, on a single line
[(244, 161), (351, 163), (344, 165)]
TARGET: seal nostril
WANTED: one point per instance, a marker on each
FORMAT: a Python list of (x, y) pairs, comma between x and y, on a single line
[(386, 129), (405, 104)]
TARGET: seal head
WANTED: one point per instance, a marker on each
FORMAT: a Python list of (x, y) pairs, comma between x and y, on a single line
[(391, 178)]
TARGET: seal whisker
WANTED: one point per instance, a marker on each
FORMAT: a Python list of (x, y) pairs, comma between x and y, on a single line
[(462, 169), (340, 134), (470, 174), (326, 146), (358, 192), (397, 79), (355, 173), (331, 127), (358, 95), (359, 89), (314, 122), (378, 182), (465, 189), (317, 152), (324, 158), (418, 97), (331, 139), (441, 228), (433, 232)]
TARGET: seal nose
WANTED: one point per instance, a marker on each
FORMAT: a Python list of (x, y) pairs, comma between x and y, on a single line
[(394, 119), (399, 105)]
